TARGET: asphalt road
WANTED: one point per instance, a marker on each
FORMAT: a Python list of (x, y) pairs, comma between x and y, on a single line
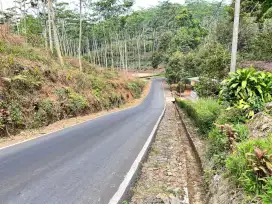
[(82, 164)]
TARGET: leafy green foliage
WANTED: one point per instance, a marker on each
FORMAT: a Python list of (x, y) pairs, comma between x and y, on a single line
[(22, 52), (207, 87), (267, 195), (221, 141), (247, 89), (74, 103), (189, 35), (215, 60), (256, 8), (248, 160), (156, 59), (136, 88), (260, 47), (231, 116), (211, 61), (204, 112), (46, 113), (175, 70)]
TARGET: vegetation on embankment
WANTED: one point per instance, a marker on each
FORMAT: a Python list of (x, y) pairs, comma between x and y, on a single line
[(243, 157), (37, 91)]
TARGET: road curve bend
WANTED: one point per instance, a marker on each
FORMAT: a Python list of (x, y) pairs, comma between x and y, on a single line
[(85, 163)]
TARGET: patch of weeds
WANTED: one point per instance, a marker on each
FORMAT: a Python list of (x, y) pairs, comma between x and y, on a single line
[(45, 114), (157, 165), (76, 104), (15, 112), (22, 52), (251, 165), (155, 151), (72, 103), (221, 142), (267, 195), (135, 88)]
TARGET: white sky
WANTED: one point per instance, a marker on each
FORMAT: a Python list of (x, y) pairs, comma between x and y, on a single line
[(138, 3)]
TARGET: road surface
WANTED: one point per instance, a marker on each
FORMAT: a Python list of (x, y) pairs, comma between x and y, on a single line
[(82, 164)]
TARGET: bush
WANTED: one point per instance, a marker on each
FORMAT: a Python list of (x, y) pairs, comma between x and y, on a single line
[(72, 102), (218, 147), (207, 87), (247, 89), (135, 89), (204, 112), (76, 104), (261, 46), (267, 195), (220, 143), (231, 116), (16, 115), (210, 60), (156, 59), (215, 60), (247, 165), (175, 71)]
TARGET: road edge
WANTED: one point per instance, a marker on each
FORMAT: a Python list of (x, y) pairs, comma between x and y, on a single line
[(124, 187), (44, 135)]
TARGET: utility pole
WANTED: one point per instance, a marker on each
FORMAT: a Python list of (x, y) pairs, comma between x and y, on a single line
[(80, 35), (235, 36)]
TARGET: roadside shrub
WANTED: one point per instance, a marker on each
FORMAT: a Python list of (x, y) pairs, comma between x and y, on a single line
[(204, 112), (181, 66), (247, 89), (180, 87), (231, 116), (45, 114), (222, 140), (207, 87), (76, 104), (250, 164), (267, 195), (218, 147), (72, 102), (215, 60), (136, 87), (15, 113)]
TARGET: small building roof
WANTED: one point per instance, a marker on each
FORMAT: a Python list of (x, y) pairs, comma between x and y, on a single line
[(194, 79)]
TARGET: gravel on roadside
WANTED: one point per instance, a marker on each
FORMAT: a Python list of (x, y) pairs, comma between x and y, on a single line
[(171, 174)]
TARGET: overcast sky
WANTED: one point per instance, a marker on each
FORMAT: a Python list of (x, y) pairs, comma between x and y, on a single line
[(138, 3)]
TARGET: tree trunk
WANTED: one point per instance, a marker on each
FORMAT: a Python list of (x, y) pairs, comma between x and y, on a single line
[(55, 33)]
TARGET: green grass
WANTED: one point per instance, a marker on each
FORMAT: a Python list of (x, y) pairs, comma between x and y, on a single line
[(239, 166), (203, 111)]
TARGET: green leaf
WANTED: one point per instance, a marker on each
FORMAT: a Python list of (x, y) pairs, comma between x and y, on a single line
[(244, 83), (234, 85)]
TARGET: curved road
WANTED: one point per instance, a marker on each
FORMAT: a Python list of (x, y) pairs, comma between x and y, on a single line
[(82, 164)]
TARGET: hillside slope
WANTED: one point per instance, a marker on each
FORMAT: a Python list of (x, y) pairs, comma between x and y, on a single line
[(36, 91)]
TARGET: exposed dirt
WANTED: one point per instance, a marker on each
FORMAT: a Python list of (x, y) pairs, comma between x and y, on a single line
[(59, 125), (261, 65), (171, 169)]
